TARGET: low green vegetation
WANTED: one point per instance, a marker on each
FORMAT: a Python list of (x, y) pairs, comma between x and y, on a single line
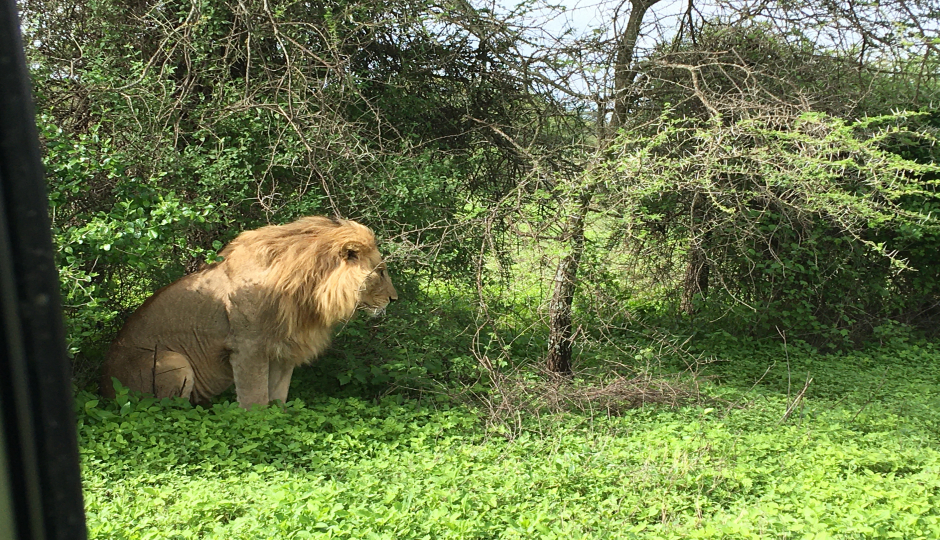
[(858, 456)]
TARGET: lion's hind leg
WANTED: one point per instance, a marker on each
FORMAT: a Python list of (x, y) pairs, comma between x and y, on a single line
[(172, 375), (157, 371)]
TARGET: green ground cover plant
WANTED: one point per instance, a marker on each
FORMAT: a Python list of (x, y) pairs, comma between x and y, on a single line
[(858, 456)]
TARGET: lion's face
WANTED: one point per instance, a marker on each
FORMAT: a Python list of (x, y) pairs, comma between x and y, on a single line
[(376, 290)]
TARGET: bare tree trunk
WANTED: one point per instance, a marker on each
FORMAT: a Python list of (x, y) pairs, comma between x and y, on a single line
[(696, 270), (560, 339), (696, 278), (624, 70)]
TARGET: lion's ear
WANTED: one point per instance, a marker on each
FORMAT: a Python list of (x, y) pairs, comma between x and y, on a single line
[(351, 251)]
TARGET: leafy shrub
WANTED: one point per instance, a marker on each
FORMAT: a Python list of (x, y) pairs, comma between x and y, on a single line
[(162, 143), (119, 236), (810, 224)]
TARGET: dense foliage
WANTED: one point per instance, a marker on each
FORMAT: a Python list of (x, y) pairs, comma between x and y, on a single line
[(818, 227), (762, 176), (171, 126)]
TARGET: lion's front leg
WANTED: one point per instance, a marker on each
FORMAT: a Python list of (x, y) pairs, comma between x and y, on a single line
[(250, 369), (279, 374)]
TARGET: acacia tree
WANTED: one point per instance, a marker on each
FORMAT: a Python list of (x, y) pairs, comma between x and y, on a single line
[(756, 169), (745, 68), (735, 73), (624, 98), (891, 44)]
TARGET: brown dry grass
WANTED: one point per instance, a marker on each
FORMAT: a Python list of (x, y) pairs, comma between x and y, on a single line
[(520, 396)]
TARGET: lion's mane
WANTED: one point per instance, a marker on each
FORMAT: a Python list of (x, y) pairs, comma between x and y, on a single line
[(303, 285)]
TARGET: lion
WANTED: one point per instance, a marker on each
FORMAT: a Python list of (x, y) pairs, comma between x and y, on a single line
[(268, 306)]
